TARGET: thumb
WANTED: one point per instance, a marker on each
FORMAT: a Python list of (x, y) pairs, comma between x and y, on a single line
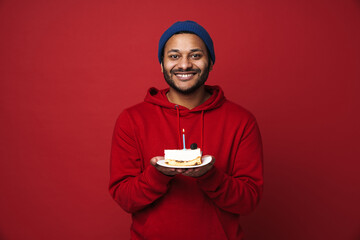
[(154, 160)]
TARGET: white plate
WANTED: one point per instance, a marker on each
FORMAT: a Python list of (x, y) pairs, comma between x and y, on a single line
[(205, 160)]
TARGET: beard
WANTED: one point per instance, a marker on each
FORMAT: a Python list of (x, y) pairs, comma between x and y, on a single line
[(200, 81)]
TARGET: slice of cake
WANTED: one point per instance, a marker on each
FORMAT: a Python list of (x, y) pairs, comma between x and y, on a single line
[(183, 157)]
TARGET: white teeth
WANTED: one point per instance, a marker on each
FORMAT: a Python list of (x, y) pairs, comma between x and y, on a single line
[(184, 75)]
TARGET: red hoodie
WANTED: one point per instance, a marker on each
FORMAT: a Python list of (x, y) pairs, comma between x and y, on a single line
[(181, 207)]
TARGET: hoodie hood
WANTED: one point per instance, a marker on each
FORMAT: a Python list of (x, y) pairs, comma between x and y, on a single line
[(158, 97)]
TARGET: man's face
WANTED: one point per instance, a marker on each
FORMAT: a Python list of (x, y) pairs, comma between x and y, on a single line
[(186, 63)]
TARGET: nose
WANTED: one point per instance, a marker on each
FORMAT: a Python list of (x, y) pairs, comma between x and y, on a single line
[(185, 63)]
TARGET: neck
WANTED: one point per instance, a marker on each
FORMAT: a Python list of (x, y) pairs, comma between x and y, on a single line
[(189, 101)]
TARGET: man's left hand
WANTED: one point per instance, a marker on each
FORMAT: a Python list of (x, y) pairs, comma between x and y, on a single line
[(199, 171)]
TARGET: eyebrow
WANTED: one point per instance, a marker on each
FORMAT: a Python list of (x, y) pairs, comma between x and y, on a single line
[(191, 50)]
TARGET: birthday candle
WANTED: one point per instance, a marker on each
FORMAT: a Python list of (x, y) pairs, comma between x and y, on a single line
[(184, 138)]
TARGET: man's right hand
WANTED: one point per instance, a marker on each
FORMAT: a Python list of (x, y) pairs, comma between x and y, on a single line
[(165, 170)]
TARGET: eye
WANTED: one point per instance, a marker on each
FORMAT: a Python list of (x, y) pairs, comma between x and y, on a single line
[(174, 56), (196, 55)]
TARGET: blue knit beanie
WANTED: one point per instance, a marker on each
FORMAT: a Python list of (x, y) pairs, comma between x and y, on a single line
[(187, 26)]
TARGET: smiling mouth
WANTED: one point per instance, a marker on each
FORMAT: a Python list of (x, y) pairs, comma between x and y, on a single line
[(185, 75)]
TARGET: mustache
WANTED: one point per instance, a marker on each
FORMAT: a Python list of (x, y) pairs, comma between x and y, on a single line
[(173, 71)]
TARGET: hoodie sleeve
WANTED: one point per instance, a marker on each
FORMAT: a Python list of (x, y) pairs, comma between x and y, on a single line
[(132, 188), (239, 191)]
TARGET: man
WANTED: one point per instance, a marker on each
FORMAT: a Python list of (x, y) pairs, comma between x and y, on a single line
[(194, 203)]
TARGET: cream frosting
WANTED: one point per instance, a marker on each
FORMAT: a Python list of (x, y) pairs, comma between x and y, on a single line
[(182, 154)]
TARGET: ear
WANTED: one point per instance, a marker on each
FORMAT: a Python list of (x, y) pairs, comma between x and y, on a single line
[(211, 66), (162, 67)]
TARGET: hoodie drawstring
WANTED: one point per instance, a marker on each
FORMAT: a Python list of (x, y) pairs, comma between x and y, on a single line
[(202, 131), (178, 121)]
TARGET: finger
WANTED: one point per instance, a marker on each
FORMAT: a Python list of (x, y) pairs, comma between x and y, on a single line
[(154, 160), (180, 170), (188, 171), (169, 172)]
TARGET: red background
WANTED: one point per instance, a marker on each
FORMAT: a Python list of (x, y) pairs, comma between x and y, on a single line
[(67, 69)]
